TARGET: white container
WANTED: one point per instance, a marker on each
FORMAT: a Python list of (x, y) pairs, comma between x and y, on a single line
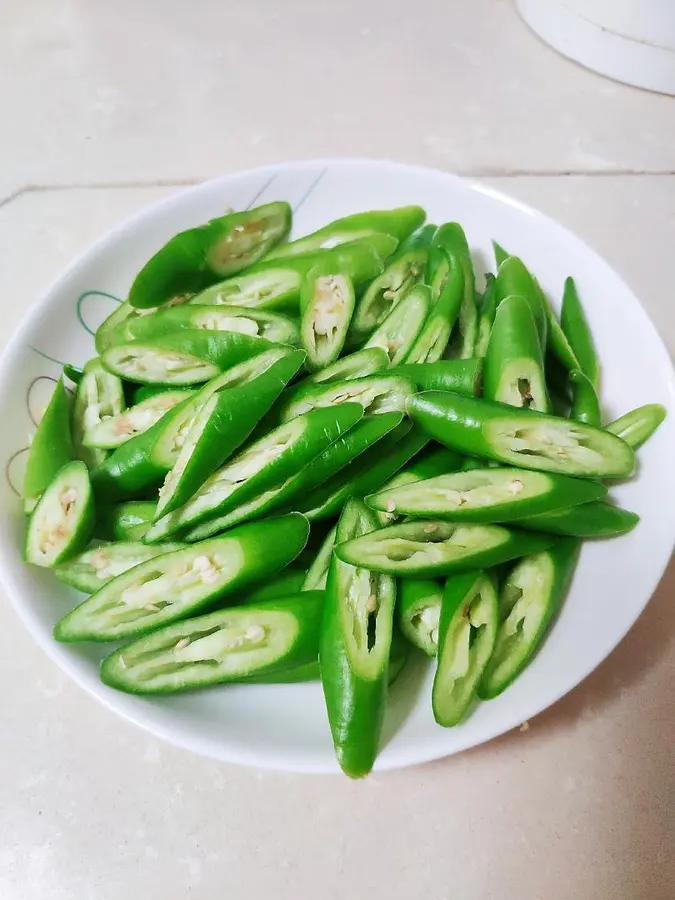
[(629, 40)]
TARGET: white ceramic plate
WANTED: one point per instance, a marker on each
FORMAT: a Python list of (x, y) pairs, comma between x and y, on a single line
[(285, 727)]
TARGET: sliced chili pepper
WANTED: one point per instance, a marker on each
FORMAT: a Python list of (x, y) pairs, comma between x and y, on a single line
[(467, 632), (435, 335), (219, 647), (638, 425), (63, 520), (514, 279), (500, 253), (452, 239), (180, 583), (463, 376), (113, 431), (486, 316), (399, 331), (222, 424), (576, 329), (131, 520), (596, 519), (437, 461), (282, 452), (585, 403), (520, 437), (419, 612), (435, 547), (399, 223), (91, 570), (528, 599), (354, 365), (354, 649), (326, 306), (375, 393), (99, 394), (50, 449), (487, 495), (282, 585), (317, 574), (193, 259), (73, 373)]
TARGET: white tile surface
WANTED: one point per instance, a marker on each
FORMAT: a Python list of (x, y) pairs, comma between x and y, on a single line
[(581, 805)]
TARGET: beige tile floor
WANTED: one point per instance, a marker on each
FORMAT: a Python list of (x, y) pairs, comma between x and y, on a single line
[(107, 107)]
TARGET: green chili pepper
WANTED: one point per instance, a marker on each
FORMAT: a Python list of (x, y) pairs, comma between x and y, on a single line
[(326, 306), (419, 612), (91, 570), (514, 366), (585, 403), (189, 356), (113, 431), (354, 649), (467, 632), (375, 393), (222, 424), (131, 520), (576, 330), (63, 520), (50, 449), (463, 376), (99, 395), (143, 392), (399, 223), (294, 490), (437, 461), (528, 599), (73, 373), (281, 453), (370, 470), (193, 259), (638, 425), (282, 585), (180, 583), (452, 239), (385, 292), (500, 253), (514, 279), (354, 365), (520, 437), (487, 495), (435, 335), (317, 574), (435, 547), (106, 331), (219, 647), (399, 331), (486, 316), (591, 520), (437, 271)]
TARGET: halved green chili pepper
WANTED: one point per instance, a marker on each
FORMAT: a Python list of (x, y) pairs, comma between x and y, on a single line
[(354, 365), (91, 570), (375, 393), (399, 331), (294, 490), (141, 392), (113, 431), (282, 585), (638, 425), (437, 461), (437, 271), (366, 473), (317, 574), (282, 452), (520, 437), (193, 259), (385, 292), (585, 403), (50, 449), (467, 632), (354, 650), (419, 612), (435, 547), (73, 373), (577, 331), (399, 223), (219, 647), (327, 303), (487, 495), (99, 395), (184, 581), (273, 327), (514, 279), (131, 520), (222, 424), (528, 599), (106, 331), (514, 365), (451, 237), (486, 317), (189, 356), (63, 519), (591, 520), (435, 335), (463, 376), (500, 253)]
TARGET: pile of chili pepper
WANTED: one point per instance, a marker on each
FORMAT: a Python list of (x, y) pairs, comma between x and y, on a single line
[(305, 460)]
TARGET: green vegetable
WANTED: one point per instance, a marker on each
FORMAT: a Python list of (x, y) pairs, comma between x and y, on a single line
[(354, 649), (399, 331), (500, 253), (486, 317), (50, 449), (419, 612), (99, 395), (131, 520), (91, 570), (514, 279), (452, 239), (355, 365), (317, 574), (578, 333), (596, 519), (463, 376), (375, 393), (528, 599), (183, 582), (326, 305), (435, 335), (113, 431), (638, 425), (585, 403), (73, 373), (63, 520)]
